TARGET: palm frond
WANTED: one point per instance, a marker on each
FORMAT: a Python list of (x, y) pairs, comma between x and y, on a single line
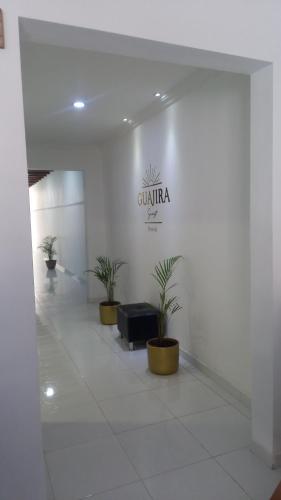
[(106, 272), (175, 308), (169, 304), (163, 272), (47, 246)]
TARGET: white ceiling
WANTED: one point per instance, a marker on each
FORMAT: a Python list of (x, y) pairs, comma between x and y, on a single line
[(113, 86)]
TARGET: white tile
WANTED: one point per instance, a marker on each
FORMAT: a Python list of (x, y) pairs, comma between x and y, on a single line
[(80, 333), (61, 386), (135, 360), (153, 381), (220, 430), (189, 397), (56, 364), (223, 393), (69, 328), (114, 383), (103, 364), (72, 345), (68, 422), (161, 447), (255, 477), (135, 491), (112, 337), (84, 356), (133, 411), (62, 373), (53, 361), (50, 349), (72, 398), (202, 481), (81, 471)]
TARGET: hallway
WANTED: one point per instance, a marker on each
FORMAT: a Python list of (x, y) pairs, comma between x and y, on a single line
[(113, 431)]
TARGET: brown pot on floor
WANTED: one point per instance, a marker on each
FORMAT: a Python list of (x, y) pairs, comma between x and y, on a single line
[(108, 313), (51, 264), (163, 355)]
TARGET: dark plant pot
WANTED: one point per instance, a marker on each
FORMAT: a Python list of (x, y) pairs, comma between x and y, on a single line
[(108, 312), (163, 355), (51, 264)]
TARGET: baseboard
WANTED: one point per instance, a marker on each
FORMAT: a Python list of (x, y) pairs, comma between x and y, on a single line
[(224, 384), (274, 462)]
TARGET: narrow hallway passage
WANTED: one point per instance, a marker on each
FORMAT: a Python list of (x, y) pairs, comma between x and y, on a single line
[(113, 431)]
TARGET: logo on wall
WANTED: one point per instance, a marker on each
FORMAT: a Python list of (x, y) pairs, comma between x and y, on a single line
[(152, 196)]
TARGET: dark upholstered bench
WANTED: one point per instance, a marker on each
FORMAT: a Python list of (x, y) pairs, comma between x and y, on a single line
[(137, 322)]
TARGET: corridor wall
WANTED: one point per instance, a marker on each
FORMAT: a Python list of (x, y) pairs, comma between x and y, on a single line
[(57, 207), (199, 147), (87, 160)]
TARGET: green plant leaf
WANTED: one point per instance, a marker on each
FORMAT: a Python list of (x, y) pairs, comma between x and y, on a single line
[(163, 272), (47, 246), (106, 272)]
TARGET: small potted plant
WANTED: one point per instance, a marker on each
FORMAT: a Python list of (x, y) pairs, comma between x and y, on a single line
[(47, 247), (163, 352), (106, 272)]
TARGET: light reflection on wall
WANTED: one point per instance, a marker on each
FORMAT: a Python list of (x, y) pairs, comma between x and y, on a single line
[(137, 151), (170, 146)]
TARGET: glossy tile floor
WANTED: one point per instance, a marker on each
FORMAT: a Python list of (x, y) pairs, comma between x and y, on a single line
[(113, 431)]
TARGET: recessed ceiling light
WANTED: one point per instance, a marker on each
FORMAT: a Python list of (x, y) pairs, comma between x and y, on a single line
[(79, 105), (157, 94), (125, 120)]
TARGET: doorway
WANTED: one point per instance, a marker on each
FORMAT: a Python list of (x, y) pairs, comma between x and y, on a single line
[(137, 122)]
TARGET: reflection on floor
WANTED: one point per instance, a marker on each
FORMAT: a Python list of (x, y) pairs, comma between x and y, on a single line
[(113, 431)]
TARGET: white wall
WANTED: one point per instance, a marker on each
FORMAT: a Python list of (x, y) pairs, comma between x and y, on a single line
[(58, 209), (246, 29), (201, 147), (21, 458), (88, 160)]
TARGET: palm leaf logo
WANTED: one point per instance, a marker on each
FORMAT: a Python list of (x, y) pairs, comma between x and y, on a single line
[(151, 178)]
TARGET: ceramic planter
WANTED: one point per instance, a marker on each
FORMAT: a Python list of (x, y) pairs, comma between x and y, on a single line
[(108, 313), (163, 355)]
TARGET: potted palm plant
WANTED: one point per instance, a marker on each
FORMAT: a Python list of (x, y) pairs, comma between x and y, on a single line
[(47, 247), (106, 272), (163, 352)]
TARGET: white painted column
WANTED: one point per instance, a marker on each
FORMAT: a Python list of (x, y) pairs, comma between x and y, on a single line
[(266, 265), (21, 460), (277, 261)]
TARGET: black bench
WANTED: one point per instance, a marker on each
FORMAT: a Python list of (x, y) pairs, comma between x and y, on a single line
[(137, 322)]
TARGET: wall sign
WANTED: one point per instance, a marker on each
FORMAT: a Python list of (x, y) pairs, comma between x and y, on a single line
[(2, 39), (153, 195)]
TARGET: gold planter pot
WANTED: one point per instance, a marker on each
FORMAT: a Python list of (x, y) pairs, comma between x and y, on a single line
[(108, 313), (163, 355)]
